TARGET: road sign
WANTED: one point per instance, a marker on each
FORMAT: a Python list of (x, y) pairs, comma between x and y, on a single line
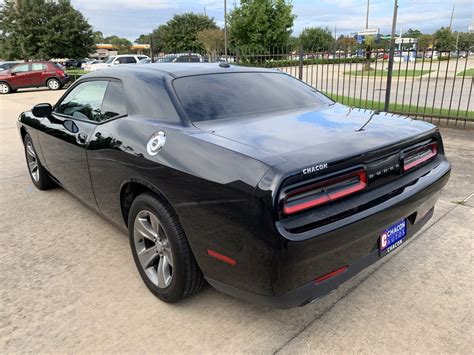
[(369, 32)]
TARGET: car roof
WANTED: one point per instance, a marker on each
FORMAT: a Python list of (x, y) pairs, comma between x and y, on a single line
[(175, 70)]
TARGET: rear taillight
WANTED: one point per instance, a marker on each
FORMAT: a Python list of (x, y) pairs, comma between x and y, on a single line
[(419, 155), (323, 192)]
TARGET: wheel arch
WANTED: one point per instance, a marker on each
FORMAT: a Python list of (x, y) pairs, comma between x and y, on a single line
[(23, 133), (9, 85), (135, 187)]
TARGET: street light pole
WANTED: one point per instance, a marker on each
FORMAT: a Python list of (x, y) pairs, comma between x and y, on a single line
[(390, 58), (367, 16), (225, 30)]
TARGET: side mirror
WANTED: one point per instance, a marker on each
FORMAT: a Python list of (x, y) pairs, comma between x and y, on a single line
[(42, 110)]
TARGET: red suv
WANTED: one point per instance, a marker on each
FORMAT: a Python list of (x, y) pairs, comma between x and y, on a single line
[(32, 74)]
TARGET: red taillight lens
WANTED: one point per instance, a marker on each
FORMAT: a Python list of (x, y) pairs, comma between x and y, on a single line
[(324, 191), (419, 156)]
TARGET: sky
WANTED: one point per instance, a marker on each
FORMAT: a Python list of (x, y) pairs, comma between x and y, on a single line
[(130, 18)]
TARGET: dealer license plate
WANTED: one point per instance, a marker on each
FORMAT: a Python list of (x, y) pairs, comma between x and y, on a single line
[(392, 237)]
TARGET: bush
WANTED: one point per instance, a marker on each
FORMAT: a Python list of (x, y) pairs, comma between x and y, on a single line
[(244, 61)]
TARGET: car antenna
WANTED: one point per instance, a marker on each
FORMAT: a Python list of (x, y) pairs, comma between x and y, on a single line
[(376, 112)]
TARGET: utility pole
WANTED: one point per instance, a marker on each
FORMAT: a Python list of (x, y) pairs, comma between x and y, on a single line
[(452, 15), (367, 16), (225, 30), (390, 58)]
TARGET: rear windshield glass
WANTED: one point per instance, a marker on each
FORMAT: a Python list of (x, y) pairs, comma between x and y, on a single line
[(235, 95)]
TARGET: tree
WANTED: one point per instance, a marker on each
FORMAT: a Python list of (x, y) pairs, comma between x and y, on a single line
[(444, 39), (212, 40), (258, 25), (98, 37), (143, 39), (425, 42), (412, 33), (156, 39), (180, 33), (465, 41), (346, 43), (122, 45), (317, 39), (42, 30)]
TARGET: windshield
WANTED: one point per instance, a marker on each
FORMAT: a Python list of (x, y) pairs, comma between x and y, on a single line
[(110, 60), (240, 95)]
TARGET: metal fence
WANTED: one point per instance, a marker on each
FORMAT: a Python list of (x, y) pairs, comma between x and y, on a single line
[(431, 85)]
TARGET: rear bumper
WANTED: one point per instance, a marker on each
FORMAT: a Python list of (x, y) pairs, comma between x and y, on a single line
[(312, 291), (64, 80), (353, 244)]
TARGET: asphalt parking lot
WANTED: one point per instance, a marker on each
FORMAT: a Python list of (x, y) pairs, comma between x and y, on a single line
[(68, 282)]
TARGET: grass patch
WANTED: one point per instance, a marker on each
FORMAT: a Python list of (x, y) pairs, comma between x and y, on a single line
[(406, 109), (468, 72), (76, 71), (383, 73)]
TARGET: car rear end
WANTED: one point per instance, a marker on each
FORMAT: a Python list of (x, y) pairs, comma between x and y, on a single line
[(57, 71), (337, 220), (345, 187)]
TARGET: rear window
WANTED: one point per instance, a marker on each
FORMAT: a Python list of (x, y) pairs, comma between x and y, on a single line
[(239, 95)]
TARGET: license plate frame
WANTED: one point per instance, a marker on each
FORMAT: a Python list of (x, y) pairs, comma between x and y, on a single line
[(392, 237)]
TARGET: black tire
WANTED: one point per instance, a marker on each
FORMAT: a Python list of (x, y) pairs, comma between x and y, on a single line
[(53, 84), (5, 88), (40, 176), (187, 278)]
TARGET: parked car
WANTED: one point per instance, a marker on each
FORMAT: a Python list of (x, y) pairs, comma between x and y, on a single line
[(180, 58), (116, 60), (7, 65), (145, 61), (32, 74), (244, 177), (86, 65)]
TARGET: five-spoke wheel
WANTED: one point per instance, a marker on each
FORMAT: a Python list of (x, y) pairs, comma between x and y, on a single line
[(153, 248), (161, 250)]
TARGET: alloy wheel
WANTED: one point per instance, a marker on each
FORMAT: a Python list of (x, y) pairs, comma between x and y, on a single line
[(32, 161), (4, 89), (153, 249), (53, 84)]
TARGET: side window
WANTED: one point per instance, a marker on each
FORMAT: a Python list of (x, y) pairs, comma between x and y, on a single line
[(126, 60), (84, 101), (21, 68), (37, 66), (114, 101)]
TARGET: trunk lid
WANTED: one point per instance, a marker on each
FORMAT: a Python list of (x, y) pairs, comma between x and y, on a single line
[(328, 134)]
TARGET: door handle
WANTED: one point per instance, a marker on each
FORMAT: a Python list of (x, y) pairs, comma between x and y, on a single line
[(82, 138)]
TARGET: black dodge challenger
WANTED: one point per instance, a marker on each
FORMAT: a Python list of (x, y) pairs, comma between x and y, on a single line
[(246, 178)]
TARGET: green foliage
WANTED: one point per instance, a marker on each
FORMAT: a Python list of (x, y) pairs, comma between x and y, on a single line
[(122, 45), (466, 41), (245, 61), (345, 43), (212, 39), (258, 25), (444, 39), (425, 42), (39, 29), (317, 39), (180, 33), (98, 37), (412, 33), (143, 39)]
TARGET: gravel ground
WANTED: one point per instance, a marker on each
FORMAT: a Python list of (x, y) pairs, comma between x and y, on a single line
[(68, 282)]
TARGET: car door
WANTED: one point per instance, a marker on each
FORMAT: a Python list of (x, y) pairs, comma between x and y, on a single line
[(20, 75), (67, 134), (36, 74)]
